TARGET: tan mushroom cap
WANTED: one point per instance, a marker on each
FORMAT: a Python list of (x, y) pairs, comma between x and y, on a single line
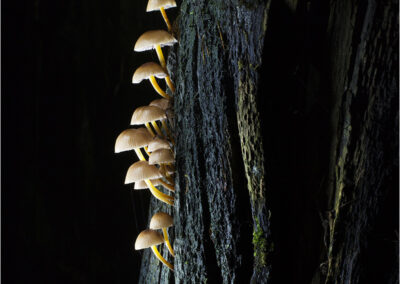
[(141, 170), (130, 139), (146, 114), (154, 5), (148, 238), (161, 220), (161, 103), (148, 69), (150, 39), (158, 143), (141, 184), (161, 156)]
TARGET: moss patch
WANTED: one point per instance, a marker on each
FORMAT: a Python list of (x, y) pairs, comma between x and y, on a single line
[(260, 244)]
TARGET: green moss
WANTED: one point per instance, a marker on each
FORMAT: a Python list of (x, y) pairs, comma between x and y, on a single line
[(260, 246)]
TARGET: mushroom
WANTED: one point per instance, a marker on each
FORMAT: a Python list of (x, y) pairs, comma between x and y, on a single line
[(162, 157), (158, 143), (155, 40), (133, 139), (161, 103), (149, 71), (141, 184), (154, 5), (150, 238), (162, 221), (143, 171), (148, 114)]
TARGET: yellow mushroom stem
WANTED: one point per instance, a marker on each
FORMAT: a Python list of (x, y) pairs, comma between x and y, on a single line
[(139, 154), (158, 194), (167, 185), (166, 128), (164, 15), (167, 175), (164, 230), (158, 130), (149, 129), (147, 151), (160, 56), (170, 84), (156, 87), (159, 256)]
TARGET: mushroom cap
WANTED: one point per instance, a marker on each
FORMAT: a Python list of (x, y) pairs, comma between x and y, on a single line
[(130, 139), (161, 103), (141, 184), (146, 70), (161, 156), (146, 114), (148, 238), (161, 220), (150, 39), (158, 143), (142, 170), (154, 5)]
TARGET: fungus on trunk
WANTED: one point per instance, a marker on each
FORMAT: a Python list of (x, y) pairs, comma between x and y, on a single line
[(143, 171), (155, 40), (163, 104), (133, 139), (150, 238), (149, 71), (161, 221), (154, 5), (158, 143), (163, 157), (148, 114)]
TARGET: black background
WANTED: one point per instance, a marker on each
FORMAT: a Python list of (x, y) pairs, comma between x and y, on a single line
[(66, 95)]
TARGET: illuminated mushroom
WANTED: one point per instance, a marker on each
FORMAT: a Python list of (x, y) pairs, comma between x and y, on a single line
[(133, 139), (155, 40), (143, 171), (161, 221), (148, 114), (158, 143), (149, 71), (151, 238), (154, 5), (162, 157), (161, 103)]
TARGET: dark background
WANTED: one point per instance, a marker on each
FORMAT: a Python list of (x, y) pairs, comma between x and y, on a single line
[(66, 95)]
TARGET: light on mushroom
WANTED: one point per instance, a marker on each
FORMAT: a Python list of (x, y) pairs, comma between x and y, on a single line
[(149, 71), (143, 171), (148, 114), (162, 221), (150, 238), (133, 139), (154, 5)]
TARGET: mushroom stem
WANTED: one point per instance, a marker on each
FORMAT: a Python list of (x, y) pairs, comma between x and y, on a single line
[(146, 150), (164, 15), (158, 194), (160, 56), (139, 154), (164, 230), (158, 130), (167, 185), (149, 129), (159, 256), (165, 126), (170, 84), (156, 87)]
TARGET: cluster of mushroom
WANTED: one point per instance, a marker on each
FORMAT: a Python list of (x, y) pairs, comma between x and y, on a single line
[(155, 138)]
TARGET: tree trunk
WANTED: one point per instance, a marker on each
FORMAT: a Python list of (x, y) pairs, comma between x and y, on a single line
[(286, 143)]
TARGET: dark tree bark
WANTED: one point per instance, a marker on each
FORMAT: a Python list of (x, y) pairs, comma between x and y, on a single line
[(286, 143)]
